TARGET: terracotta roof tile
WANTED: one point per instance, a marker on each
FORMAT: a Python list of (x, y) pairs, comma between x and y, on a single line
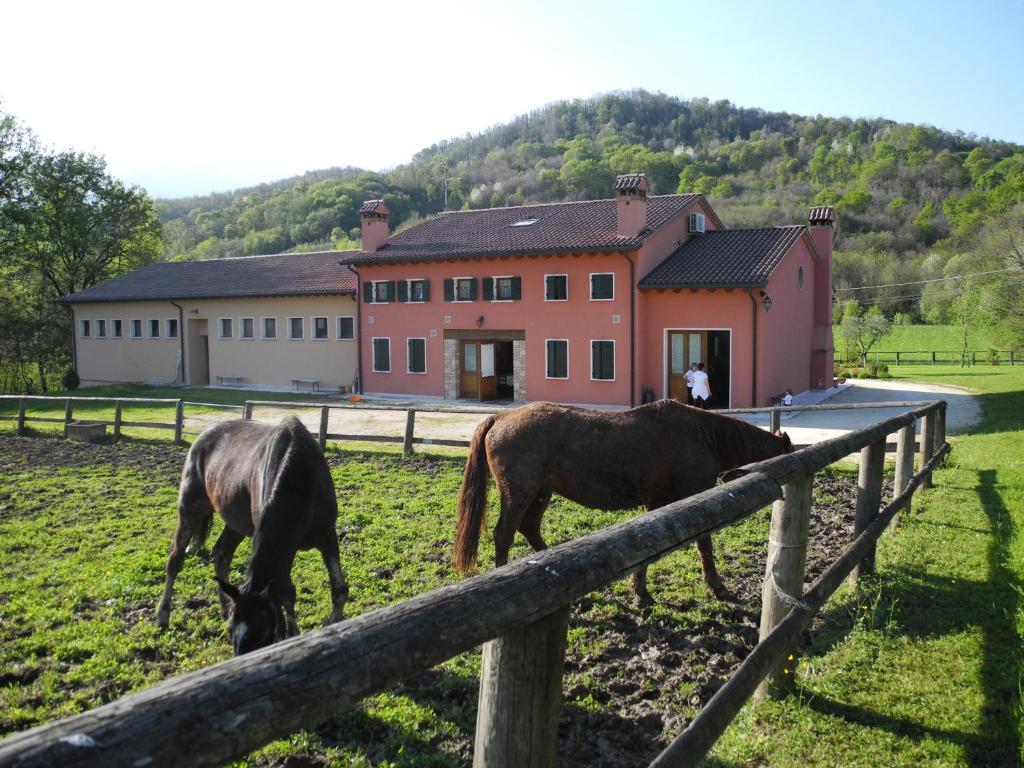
[(822, 214), (629, 182), (374, 206), (586, 226), (284, 274), (724, 258)]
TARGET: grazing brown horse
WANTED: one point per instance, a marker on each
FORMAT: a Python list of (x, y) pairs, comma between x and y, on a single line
[(647, 456), (269, 482)]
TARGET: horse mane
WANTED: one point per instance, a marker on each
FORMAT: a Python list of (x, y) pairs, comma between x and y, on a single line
[(723, 435)]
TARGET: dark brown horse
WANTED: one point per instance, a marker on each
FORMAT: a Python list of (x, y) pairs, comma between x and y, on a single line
[(269, 482), (648, 456)]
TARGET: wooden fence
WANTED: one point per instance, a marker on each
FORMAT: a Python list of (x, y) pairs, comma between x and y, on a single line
[(520, 613), (941, 357)]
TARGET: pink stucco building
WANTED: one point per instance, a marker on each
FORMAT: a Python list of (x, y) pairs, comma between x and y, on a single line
[(593, 302)]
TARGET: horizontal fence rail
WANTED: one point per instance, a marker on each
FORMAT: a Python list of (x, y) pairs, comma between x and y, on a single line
[(221, 713), (940, 356)]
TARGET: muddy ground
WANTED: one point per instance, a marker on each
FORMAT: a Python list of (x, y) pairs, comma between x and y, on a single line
[(649, 680)]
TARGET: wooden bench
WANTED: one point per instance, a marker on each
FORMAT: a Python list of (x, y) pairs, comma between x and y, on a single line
[(313, 385), (224, 380)]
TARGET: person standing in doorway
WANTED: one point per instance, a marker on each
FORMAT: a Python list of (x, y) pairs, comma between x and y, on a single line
[(689, 383), (701, 387)]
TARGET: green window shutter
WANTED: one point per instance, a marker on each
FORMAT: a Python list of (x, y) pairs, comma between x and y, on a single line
[(549, 288), (603, 360), (368, 292), (390, 287), (472, 289), (426, 290), (488, 288), (517, 288), (551, 358), (449, 289), (403, 290)]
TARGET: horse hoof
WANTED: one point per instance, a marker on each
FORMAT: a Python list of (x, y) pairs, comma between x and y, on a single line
[(718, 590), (644, 600), (162, 619)]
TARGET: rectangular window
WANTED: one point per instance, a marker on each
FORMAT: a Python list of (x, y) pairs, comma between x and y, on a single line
[(602, 286), (294, 327), (85, 328), (382, 355), (417, 355), (419, 290), (269, 327), (101, 329), (153, 329), (346, 327), (558, 359), (602, 360), (226, 327), (503, 289), (556, 287), (116, 329), (172, 328), (383, 291), (318, 327), (465, 289), (246, 328), (135, 329)]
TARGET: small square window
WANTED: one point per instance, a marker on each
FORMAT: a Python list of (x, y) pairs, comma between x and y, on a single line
[(269, 327), (226, 328), (101, 329), (135, 329), (319, 326), (116, 329), (556, 287), (417, 355), (294, 327), (246, 328), (85, 328), (172, 328), (346, 328), (558, 359), (602, 286), (154, 329), (382, 355)]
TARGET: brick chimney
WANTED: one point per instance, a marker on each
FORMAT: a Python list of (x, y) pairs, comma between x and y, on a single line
[(822, 227), (631, 204), (374, 217)]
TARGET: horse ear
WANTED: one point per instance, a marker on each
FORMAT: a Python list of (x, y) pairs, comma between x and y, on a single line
[(787, 444), (233, 594)]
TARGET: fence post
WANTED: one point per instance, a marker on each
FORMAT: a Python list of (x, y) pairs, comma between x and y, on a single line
[(69, 411), (247, 411), (927, 438), (933, 358), (974, 358), (325, 415), (1011, 357), (21, 415), (904, 466), (897, 359), (521, 694), (117, 420), (410, 426), (784, 575), (179, 420), (869, 500), (774, 421)]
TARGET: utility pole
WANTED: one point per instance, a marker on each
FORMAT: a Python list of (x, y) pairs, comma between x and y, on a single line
[(445, 181)]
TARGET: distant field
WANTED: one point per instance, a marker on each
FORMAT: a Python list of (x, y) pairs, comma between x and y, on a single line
[(929, 338)]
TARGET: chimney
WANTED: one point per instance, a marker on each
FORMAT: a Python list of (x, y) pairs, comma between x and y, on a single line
[(631, 204), (822, 226), (374, 217)]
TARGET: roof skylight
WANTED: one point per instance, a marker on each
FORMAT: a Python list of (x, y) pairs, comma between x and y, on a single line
[(524, 223)]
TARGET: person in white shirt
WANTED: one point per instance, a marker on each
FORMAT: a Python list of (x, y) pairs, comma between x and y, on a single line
[(787, 399), (701, 387), (689, 383)]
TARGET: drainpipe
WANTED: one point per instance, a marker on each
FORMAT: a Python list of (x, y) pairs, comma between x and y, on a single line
[(181, 339), (753, 382), (632, 330), (359, 327)]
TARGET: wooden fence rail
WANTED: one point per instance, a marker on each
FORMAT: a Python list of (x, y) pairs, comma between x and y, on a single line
[(939, 356), (221, 713)]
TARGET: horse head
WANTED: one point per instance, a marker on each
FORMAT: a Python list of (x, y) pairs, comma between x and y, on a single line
[(255, 620), (737, 472)]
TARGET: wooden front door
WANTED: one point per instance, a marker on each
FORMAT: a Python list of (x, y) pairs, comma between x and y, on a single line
[(684, 347), (470, 355)]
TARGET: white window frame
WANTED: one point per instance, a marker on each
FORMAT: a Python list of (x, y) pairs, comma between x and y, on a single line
[(373, 353), (263, 328), (112, 326), (556, 274), (167, 328), (494, 288), (615, 368), (408, 357), (131, 328), (337, 326), (455, 290), (375, 283), (312, 328), (246, 338), (96, 328), (220, 327), (408, 289), (302, 324), (85, 327), (590, 285), (567, 360)]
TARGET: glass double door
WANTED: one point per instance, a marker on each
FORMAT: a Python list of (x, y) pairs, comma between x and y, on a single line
[(684, 348)]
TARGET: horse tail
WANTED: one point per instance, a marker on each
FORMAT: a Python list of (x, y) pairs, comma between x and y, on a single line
[(473, 500)]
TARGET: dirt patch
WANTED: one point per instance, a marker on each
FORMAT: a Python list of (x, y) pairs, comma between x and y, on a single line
[(161, 461)]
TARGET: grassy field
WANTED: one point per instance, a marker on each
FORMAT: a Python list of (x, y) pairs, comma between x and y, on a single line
[(926, 670), (928, 338)]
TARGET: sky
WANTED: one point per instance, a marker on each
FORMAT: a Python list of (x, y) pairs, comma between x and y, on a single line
[(191, 97)]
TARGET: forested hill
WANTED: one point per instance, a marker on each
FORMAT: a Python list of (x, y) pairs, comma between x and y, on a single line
[(898, 188)]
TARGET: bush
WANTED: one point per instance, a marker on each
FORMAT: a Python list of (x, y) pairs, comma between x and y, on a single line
[(70, 380)]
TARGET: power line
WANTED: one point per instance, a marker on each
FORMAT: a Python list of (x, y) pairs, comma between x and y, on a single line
[(922, 282), (948, 292)]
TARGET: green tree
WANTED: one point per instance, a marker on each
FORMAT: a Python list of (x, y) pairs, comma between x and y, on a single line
[(861, 332)]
